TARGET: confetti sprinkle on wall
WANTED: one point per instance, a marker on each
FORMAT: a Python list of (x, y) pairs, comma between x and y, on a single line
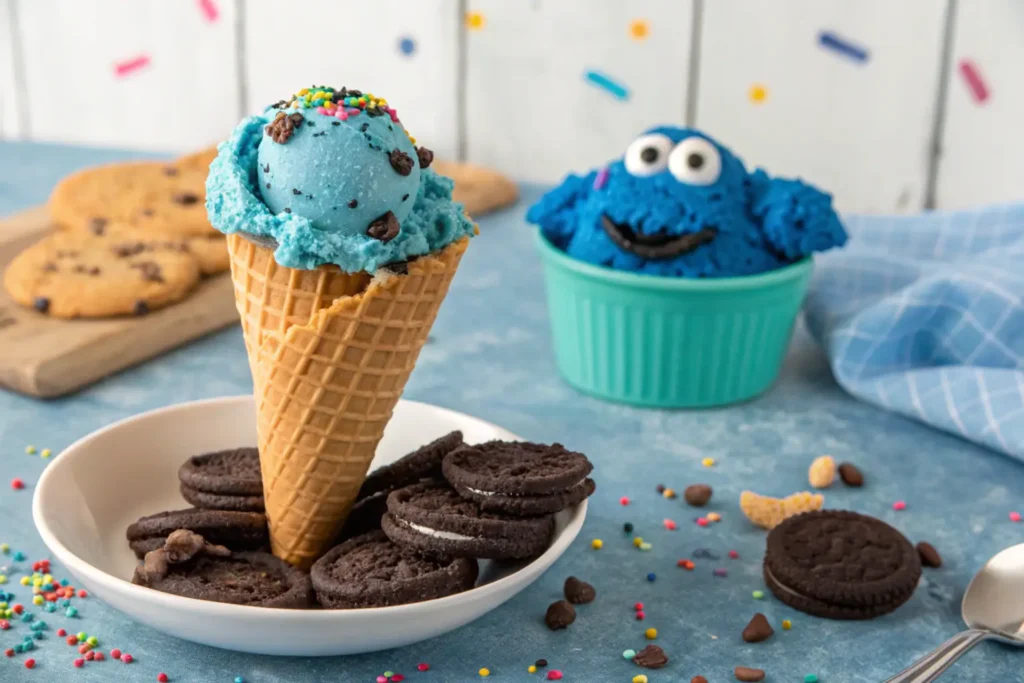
[(128, 66), (406, 45), (757, 93), (639, 29), (475, 20), (842, 46), (209, 10), (975, 83), (607, 83)]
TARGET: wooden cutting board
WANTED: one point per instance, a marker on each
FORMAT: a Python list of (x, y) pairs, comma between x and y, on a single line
[(48, 357)]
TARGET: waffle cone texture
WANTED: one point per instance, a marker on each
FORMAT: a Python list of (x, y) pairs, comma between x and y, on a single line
[(330, 353)]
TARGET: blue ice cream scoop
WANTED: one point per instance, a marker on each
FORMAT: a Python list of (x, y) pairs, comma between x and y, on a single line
[(680, 204), (332, 176)]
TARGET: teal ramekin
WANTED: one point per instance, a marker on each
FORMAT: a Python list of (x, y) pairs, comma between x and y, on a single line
[(667, 342)]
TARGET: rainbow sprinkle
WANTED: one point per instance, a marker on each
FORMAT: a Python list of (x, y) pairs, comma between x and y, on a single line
[(341, 103)]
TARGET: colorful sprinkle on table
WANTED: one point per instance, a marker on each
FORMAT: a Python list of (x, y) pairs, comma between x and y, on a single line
[(708, 462), (651, 633), (832, 41), (810, 678), (758, 595), (30, 449), (209, 10), (607, 83), (669, 524), (640, 678), (686, 564), (627, 528), (17, 484), (597, 544), (422, 666), (484, 673), (652, 577), (721, 572), (406, 45), (757, 93), (45, 453), (162, 677), (975, 83), (624, 500), (554, 675), (639, 29), (628, 654), (1015, 516), (475, 20), (128, 66), (714, 517), (899, 505)]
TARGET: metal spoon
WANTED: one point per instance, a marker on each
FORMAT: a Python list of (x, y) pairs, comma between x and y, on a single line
[(993, 607)]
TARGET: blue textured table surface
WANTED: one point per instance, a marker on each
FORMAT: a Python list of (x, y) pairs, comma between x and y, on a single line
[(490, 357)]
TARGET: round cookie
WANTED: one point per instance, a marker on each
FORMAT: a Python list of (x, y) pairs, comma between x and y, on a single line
[(223, 480), (433, 519), (233, 530), (480, 190), (423, 463), (166, 198), (364, 517), (247, 578), (198, 160), (80, 275), (371, 571), (519, 478), (840, 565), (209, 251)]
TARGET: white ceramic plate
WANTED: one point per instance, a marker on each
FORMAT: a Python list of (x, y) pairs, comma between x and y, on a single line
[(93, 490)]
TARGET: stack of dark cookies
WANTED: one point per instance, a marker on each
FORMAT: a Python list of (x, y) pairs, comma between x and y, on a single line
[(415, 533)]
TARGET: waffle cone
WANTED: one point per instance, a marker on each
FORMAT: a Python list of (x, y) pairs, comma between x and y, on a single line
[(330, 353)]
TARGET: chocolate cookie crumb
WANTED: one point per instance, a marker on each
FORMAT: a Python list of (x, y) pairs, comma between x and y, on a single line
[(579, 592), (850, 475), (929, 555), (758, 629), (384, 228), (697, 495), (282, 127), (296, 191), (398, 267), (748, 675), (186, 198), (426, 157), (353, 203), (651, 657), (559, 615), (400, 161), (541, 663)]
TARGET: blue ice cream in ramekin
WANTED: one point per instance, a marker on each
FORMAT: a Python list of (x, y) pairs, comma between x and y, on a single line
[(675, 275)]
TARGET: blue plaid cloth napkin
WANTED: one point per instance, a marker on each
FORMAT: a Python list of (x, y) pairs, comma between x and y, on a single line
[(924, 315)]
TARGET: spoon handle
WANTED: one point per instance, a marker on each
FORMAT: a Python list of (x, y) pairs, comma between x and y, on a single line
[(931, 666)]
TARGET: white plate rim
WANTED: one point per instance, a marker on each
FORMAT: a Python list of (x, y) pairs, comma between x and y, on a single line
[(110, 582)]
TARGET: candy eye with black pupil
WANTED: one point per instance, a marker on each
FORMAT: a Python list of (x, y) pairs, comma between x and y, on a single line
[(647, 155), (695, 161)]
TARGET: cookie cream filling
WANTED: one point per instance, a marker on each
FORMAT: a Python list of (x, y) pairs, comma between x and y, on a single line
[(434, 533), (519, 495)]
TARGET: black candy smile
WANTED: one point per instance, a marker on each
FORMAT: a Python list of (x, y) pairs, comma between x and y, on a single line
[(661, 246)]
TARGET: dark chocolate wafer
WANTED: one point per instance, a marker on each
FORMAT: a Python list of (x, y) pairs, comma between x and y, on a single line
[(223, 480), (371, 571), (234, 530), (423, 463)]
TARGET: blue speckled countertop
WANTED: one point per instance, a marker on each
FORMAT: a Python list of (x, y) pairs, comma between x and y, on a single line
[(490, 356)]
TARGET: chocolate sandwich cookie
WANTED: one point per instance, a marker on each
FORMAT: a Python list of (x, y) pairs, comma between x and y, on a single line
[(371, 571), (365, 517), (433, 519), (224, 480), (519, 478), (423, 463), (234, 530), (840, 565), (188, 566)]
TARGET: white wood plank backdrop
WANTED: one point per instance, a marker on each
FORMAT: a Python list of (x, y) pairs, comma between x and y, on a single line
[(357, 45), (843, 124), (185, 97), (508, 90), (982, 157), (529, 110)]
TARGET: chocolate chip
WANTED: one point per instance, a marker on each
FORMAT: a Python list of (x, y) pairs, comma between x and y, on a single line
[(141, 308), (929, 555), (147, 213), (559, 615), (170, 170), (128, 249), (400, 161), (266, 168), (698, 679), (748, 675), (335, 123), (364, 127), (296, 191), (98, 225), (353, 204), (541, 663), (186, 198), (374, 111), (425, 155), (320, 134), (296, 118), (758, 629), (353, 93), (385, 228), (287, 210), (651, 657), (41, 304), (310, 124), (850, 475), (579, 592), (398, 267), (50, 267), (151, 271), (697, 495), (268, 186), (405, 196)]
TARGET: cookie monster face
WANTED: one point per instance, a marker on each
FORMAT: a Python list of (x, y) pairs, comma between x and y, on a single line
[(674, 191)]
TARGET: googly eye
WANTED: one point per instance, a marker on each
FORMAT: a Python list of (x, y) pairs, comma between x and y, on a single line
[(695, 161), (647, 155)]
